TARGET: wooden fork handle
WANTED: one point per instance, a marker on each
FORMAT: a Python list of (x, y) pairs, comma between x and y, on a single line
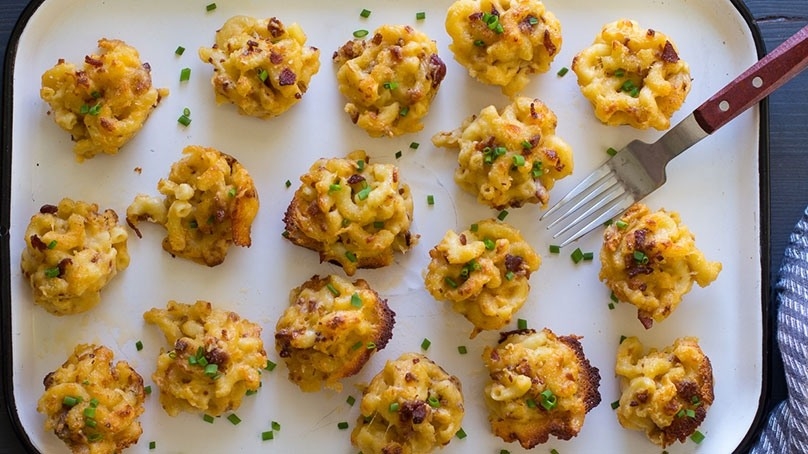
[(757, 82)]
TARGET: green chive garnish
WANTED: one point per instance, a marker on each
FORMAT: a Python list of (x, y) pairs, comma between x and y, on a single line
[(210, 7), (562, 72), (356, 300), (332, 289), (268, 435), (234, 419), (350, 400), (139, 345), (52, 244), (394, 406), (555, 249), (521, 323), (207, 418), (697, 437), (430, 199), (360, 33), (365, 13), (71, 401), (414, 145), (502, 215), (425, 344), (461, 434), (270, 365), (342, 425), (420, 15), (462, 349), (615, 404), (577, 255), (180, 50), (611, 151), (548, 400), (185, 74)]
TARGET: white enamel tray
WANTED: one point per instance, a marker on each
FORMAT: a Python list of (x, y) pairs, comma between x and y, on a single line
[(715, 186)]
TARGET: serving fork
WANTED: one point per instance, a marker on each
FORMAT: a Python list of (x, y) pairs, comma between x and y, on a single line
[(639, 168)]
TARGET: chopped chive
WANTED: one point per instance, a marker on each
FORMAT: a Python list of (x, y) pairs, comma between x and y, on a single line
[(212, 370), (622, 338), (518, 160), (394, 406), (474, 227), (504, 451), (695, 400), (510, 275), (139, 345), (611, 151), (350, 256), (334, 187), (89, 412), (640, 257), (532, 20), (95, 437), (615, 404), (620, 72), (608, 222), (562, 72), (430, 199), (404, 111), (697, 437), (390, 85), (527, 145), (489, 244), (420, 15), (184, 120), (371, 345), (461, 434), (553, 451), (90, 422), (555, 249), (530, 403), (621, 224), (589, 256), (342, 425), (350, 400), (234, 419), (231, 192), (268, 435), (521, 323), (502, 215), (398, 154), (185, 74), (332, 289), (548, 400), (52, 272), (360, 33), (433, 402), (425, 344), (288, 183), (537, 170), (462, 349), (363, 194), (263, 75), (613, 297), (180, 50), (207, 418), (365, 13), (210, 7), (357, 345), (270, 365), (356, 300), (276, 426), (450, 282), (414, 145), (251, 392), (378, 224), (95, 110), (52, 244), (611, 306), (94, 402), (147, 389), (479, 43), (577, 255), (360, 165), (152, 444)]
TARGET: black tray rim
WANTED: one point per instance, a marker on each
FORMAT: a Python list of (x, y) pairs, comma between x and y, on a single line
[(767, 293)]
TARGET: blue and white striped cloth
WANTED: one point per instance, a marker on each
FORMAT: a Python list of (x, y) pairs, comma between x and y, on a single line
[(787, 428)]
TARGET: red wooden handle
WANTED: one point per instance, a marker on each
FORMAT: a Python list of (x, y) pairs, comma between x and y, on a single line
[(757, 82)]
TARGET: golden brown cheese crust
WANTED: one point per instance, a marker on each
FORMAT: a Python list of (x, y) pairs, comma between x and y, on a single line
[(483, 272), (389, 80), (633, 76), (330, 330), (509, 158), (199, 336), (503, 42), (260, 65), (412, 406), (210, 203), (105, 102), (355, 214), (651, 261), (91, 404), (666, 393), (72, 251), (540, 385)]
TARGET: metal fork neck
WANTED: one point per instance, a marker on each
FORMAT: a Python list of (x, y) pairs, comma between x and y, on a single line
[(681, 137)]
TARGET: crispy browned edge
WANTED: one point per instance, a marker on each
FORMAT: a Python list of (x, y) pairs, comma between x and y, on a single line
[(529, 434), (384, 331), (683, 427)]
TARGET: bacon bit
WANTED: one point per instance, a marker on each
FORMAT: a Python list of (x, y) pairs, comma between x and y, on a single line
[(408, 377), (63, 264), (48, 209), (146, 66), (355, 178), (437, 70), (93, 61), (396, 52), (414, 411), (138, 170), (513, 263), (275, 27), (377, 39), (217, 356), (548, 43), (645, 319), (476, 16), (37, 243), (287, 77), (650, 32), (82, 79), (463, 239), (533, 113), (107, 124), (669, 53), (275, 57)]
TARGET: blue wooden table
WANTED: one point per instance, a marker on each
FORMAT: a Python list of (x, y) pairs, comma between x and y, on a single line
[(788, 113)]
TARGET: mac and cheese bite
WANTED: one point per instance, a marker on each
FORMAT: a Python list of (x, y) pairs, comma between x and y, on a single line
[(539, 385), (104, 103), (72, 251), (389, 79), (215, 358), (210, 203), (650, 259), (412, 406), (261, 66), (483, 272), (511, 157), (354, 213), (664, 393), (633, 76), (92, 403), (503, 42), (330, 330)]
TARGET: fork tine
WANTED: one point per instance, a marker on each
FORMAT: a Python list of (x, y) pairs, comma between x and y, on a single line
[(604, 197), (615, 207), (593, 179), (593, 195)]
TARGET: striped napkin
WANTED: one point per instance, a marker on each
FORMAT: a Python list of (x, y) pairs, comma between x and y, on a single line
[(787, 429)]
